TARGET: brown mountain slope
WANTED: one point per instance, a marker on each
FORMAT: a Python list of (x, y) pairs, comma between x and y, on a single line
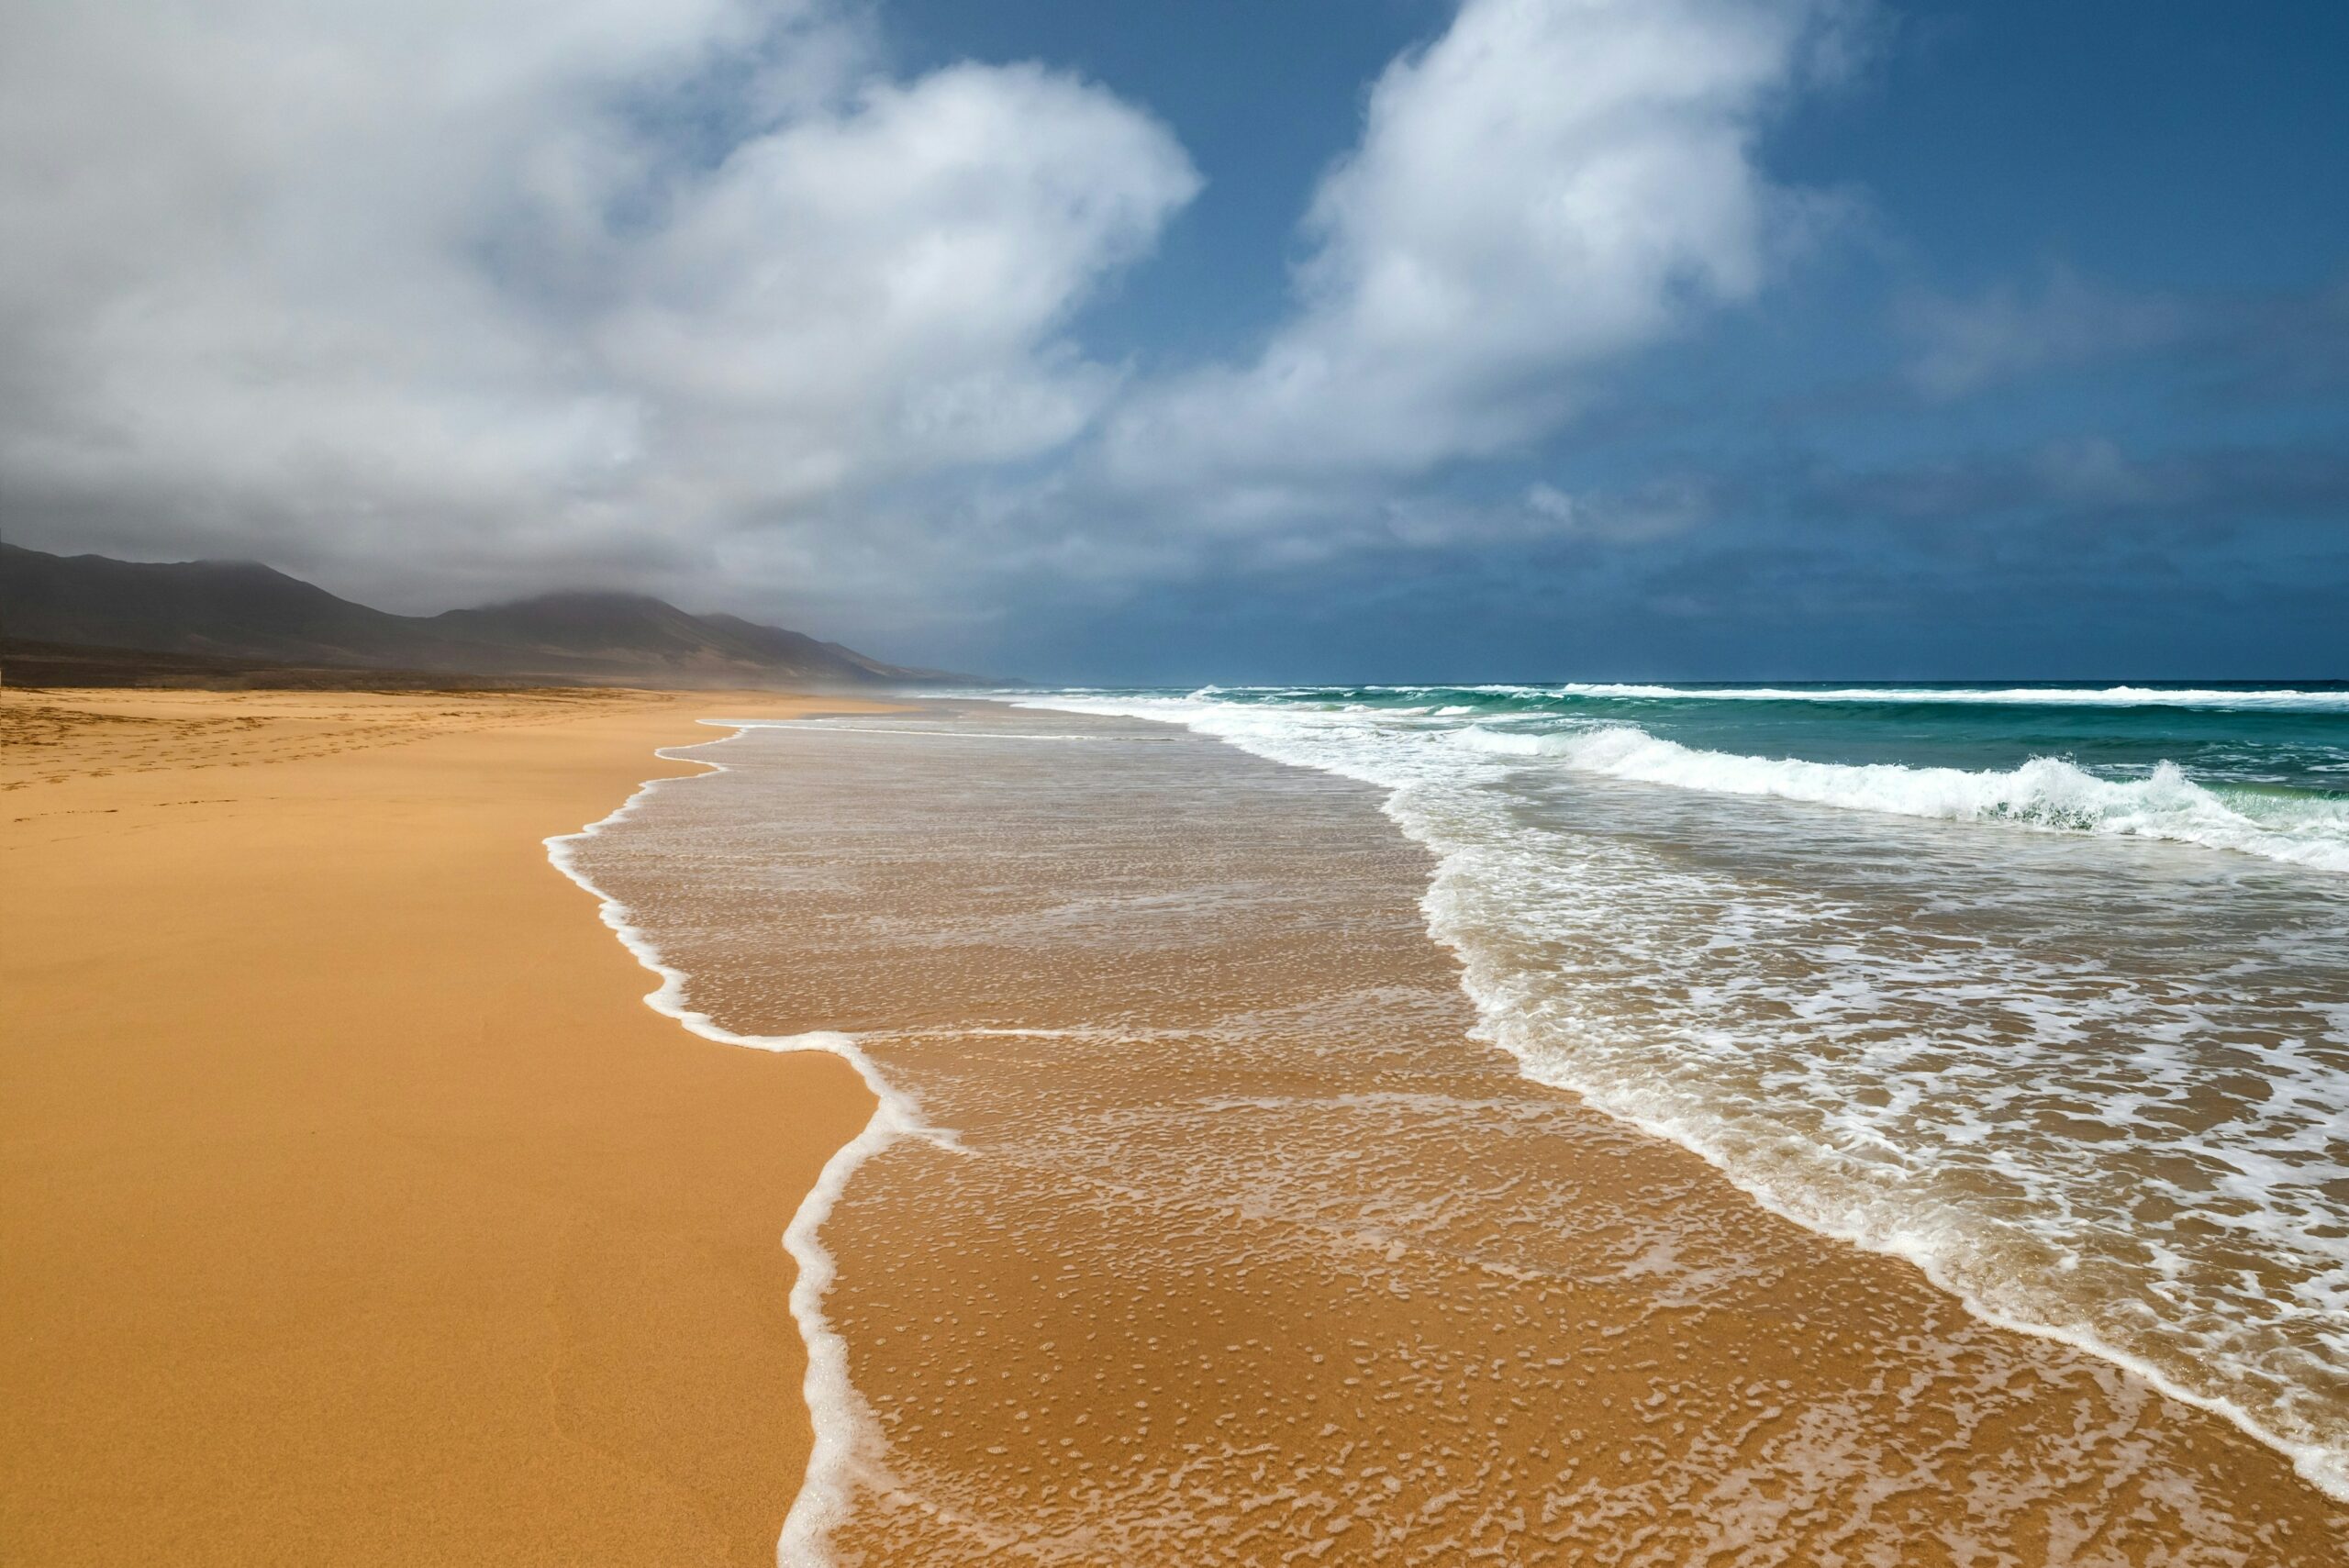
[(242, 610)]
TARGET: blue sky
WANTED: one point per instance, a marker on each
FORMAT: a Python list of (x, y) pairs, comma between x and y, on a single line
[(1379, 339)]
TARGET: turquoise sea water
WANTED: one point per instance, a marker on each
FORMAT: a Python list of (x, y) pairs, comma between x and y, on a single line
[(2260, 769), (2043, 986)]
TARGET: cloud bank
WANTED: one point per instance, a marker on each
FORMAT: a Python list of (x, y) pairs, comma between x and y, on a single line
[(446, 297), (486, 290), (439, 301)]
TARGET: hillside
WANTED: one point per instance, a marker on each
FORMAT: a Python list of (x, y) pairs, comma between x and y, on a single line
[(243, 611)]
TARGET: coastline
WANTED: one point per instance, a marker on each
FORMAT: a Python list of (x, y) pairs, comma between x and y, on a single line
[(2319, 1465), (527, 1305), (840, 1425), (1197, 1043), (357, 1208)]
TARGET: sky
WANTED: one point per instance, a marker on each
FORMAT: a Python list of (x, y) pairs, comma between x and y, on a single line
[(1200, 340)]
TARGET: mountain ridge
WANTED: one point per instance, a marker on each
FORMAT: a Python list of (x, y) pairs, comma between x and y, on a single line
[(246, 610)]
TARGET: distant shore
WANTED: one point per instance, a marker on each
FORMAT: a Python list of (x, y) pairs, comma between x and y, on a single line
[(355, 1209)]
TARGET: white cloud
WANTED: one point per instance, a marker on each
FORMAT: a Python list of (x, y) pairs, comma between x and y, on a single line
[(1548, 184), (503, 286), (457, 296), (880, 287)]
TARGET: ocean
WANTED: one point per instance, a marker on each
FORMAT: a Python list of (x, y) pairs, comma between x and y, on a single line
[(1208, 1180), (2044, 987)]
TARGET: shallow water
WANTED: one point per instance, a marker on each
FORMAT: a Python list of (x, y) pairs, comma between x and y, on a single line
[(1237, 1247), (2046, 989)]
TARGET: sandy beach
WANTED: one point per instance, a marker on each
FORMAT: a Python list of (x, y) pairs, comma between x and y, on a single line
[(355, 1208)]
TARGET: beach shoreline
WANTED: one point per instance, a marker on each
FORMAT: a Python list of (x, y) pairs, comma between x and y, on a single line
[(358, 1209), (1249, 1245)]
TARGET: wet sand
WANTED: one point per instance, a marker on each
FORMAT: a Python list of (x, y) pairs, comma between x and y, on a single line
[(353, 1208), (1246, 1250)]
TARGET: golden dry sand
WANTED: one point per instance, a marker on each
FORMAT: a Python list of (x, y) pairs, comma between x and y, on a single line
[(353, 1208)]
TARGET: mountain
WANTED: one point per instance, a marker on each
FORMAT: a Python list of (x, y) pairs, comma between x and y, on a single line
[(241, 611)]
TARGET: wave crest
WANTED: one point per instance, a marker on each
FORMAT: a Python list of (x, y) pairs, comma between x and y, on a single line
[(2045, 792), (2245, 700)]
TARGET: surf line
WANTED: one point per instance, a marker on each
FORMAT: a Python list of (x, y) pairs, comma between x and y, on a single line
[(846, 1438)]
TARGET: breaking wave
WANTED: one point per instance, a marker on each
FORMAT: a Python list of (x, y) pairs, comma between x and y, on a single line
[(2265, 699), (2296, 828)]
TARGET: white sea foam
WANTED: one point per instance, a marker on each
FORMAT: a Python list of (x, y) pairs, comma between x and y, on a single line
[(2046, 792), (1903, 1087), (846, 1437), (2262, 700), (1839, 1093)]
